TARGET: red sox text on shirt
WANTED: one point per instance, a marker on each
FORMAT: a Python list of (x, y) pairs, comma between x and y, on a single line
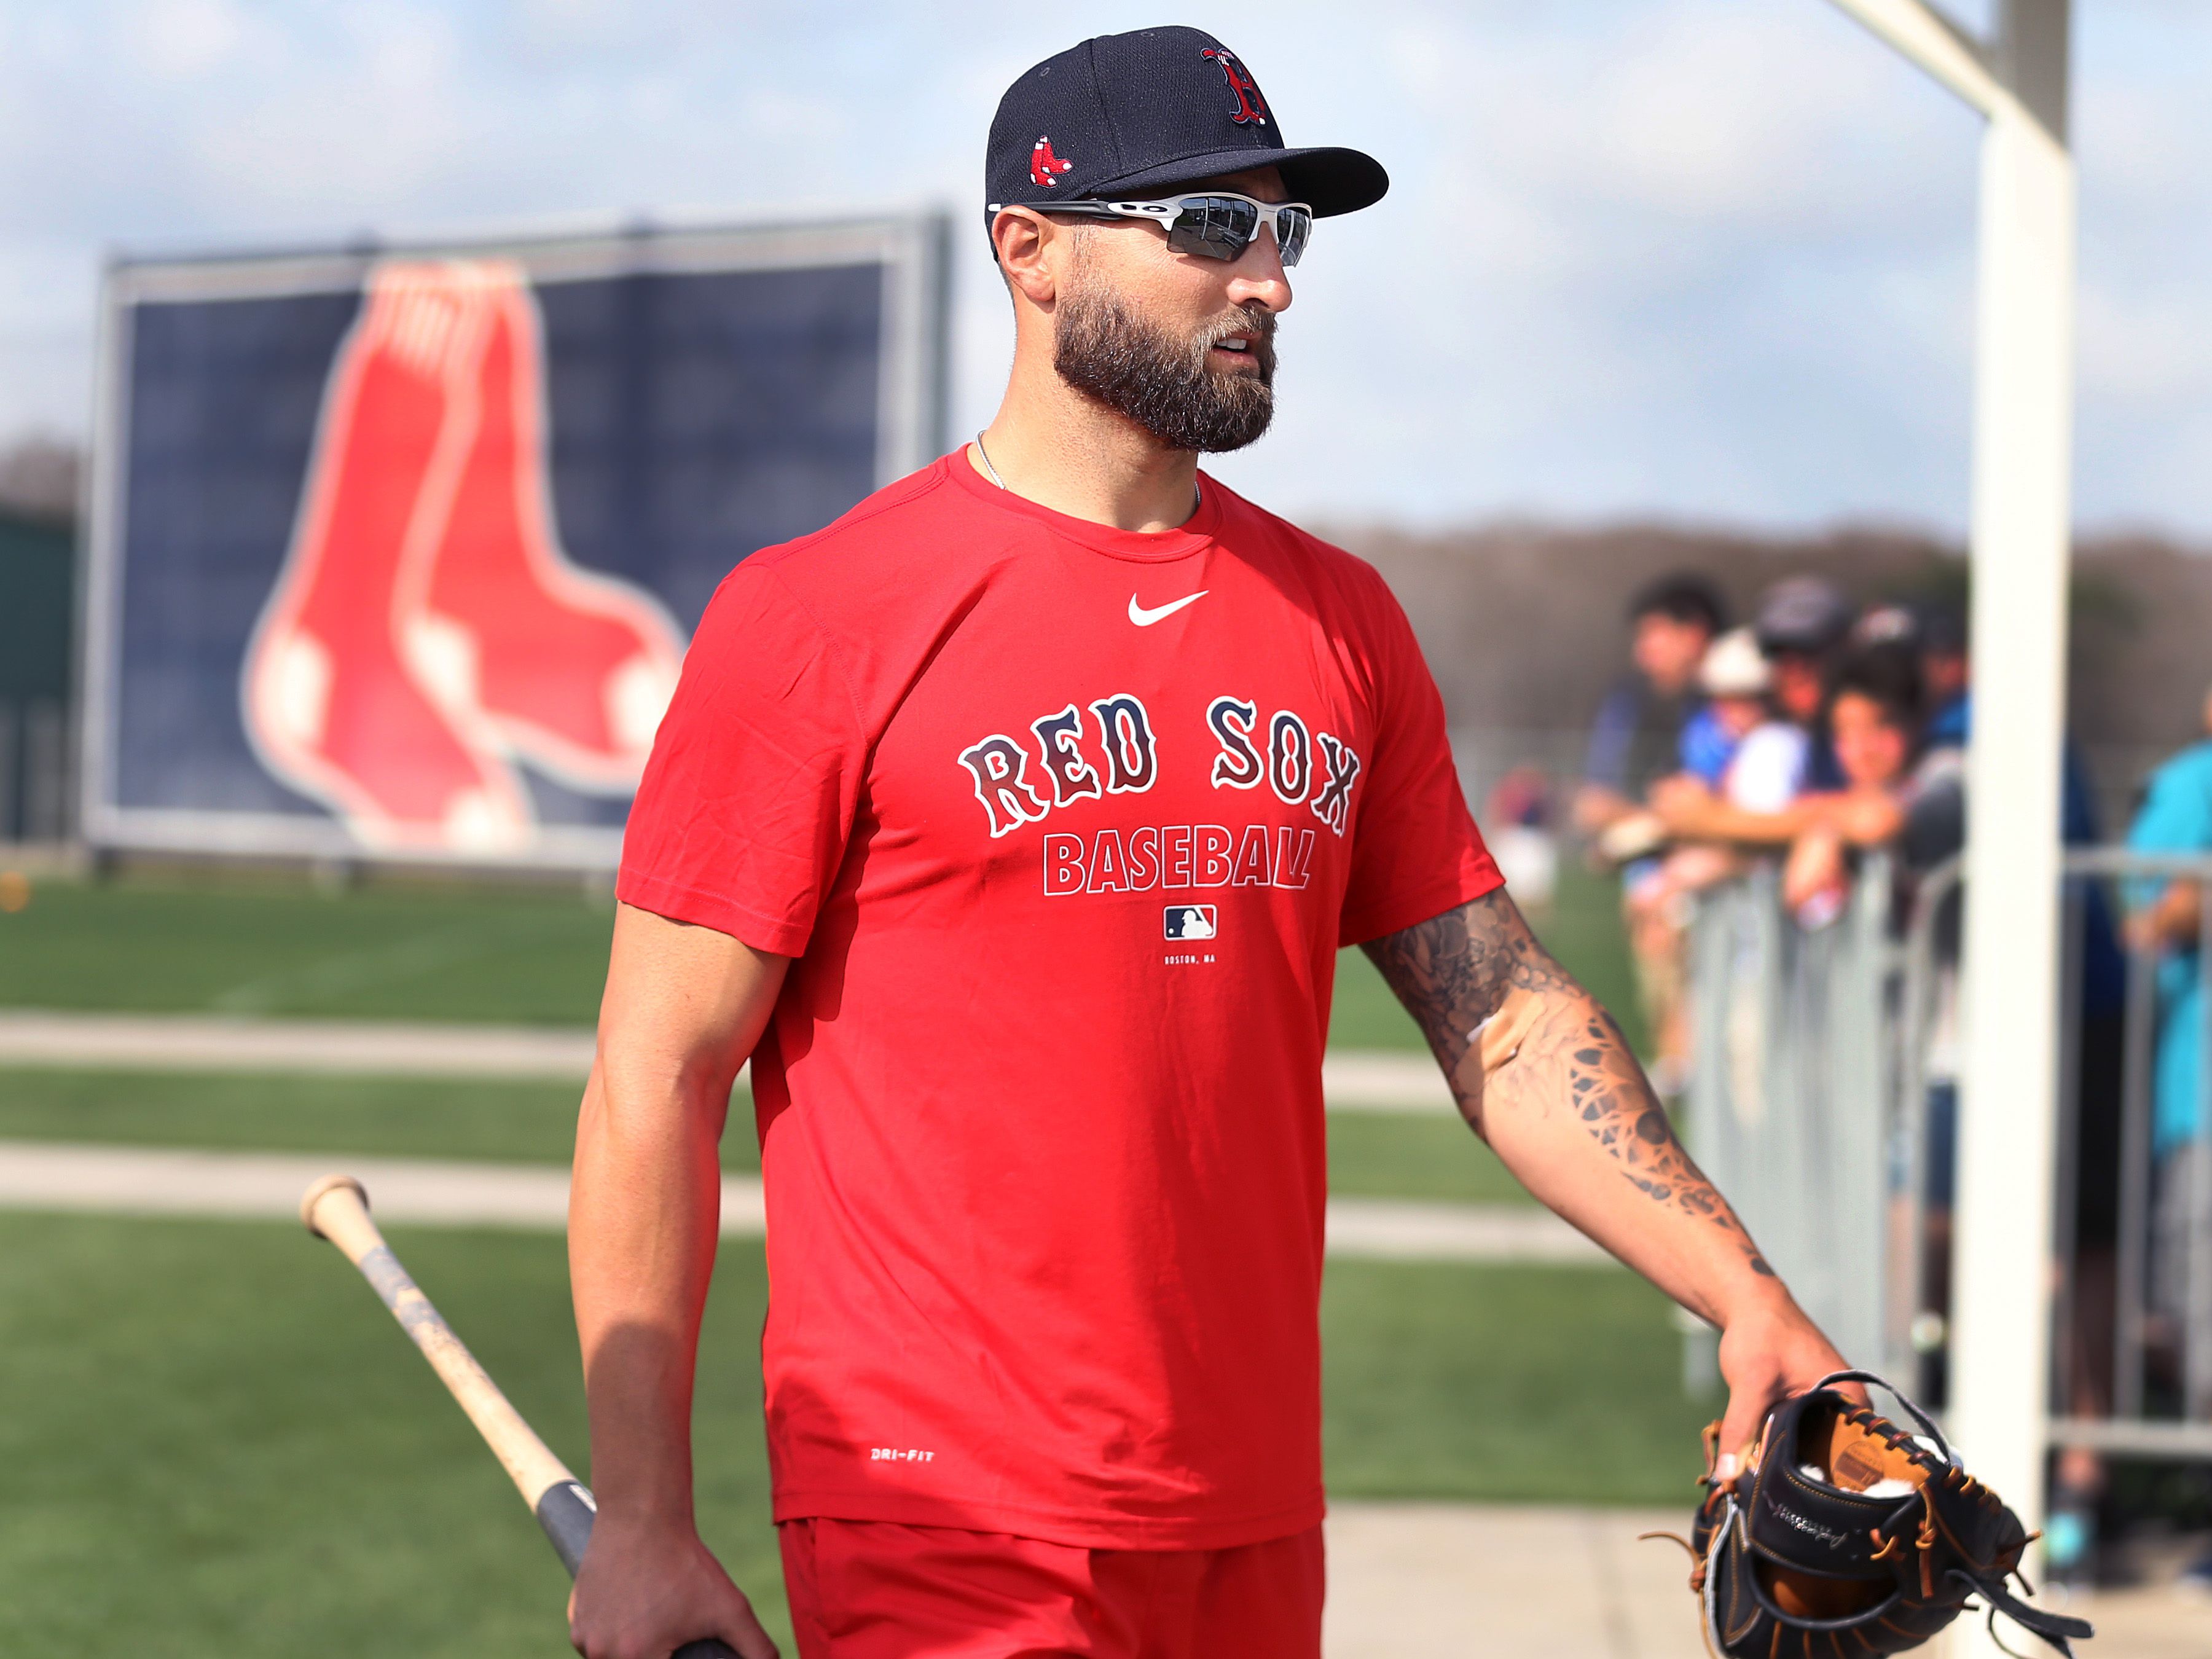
[(1302, 765)]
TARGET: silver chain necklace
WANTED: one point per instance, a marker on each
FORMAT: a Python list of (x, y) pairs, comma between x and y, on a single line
[(1197, 495)]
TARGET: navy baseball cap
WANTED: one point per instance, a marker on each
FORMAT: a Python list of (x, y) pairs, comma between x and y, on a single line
[(1126, 115)]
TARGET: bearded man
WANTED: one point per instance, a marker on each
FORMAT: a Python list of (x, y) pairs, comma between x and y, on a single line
[(1011, 824)]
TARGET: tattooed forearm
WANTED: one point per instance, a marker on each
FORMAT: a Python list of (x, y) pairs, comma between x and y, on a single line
[(1615, 1102), (1454, 972), (1513, 1032)]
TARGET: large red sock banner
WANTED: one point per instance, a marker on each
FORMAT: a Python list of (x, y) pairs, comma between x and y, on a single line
[(427, 632), (511, 480)]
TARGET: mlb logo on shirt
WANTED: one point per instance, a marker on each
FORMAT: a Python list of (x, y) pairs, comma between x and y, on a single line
[(1187, 922)]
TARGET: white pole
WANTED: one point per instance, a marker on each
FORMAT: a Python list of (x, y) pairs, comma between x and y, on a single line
[(2022, 515), (2022, 523), (1936, 43)]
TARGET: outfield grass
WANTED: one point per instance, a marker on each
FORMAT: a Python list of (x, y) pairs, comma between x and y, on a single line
[(218, 1444), (261, 946), (1546, 1385), (1371, 1154), (532, 956), (1387, 1155), (394, 1117), (1582, 927)]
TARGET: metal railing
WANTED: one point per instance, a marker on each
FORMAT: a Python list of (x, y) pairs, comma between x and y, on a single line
[(1788, 1094), (1817, 1103)]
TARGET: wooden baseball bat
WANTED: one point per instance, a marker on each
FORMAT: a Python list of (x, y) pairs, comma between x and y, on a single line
[(337, 1208)]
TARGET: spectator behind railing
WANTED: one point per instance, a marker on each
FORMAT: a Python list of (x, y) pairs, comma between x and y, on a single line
[(1760, 759), (1638, 731), (1636, 740), (1517, 822), (1736, 745), (1945, 674), (1871, 718), (1801, 626), (1747, 755), (2167, 917), (1738, 750)]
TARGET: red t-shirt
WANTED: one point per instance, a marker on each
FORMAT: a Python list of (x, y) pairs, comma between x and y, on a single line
[(1065, 825)]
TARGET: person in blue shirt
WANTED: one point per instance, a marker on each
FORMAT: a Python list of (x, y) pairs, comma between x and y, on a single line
[(2167, 916), (1638, 733), (1706, 746), (1945, 672)]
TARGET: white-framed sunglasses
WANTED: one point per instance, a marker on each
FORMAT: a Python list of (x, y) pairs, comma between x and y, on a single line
[(1213, 224)]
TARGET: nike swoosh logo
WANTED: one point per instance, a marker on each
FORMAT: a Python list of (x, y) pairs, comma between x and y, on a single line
[(1145, 618)]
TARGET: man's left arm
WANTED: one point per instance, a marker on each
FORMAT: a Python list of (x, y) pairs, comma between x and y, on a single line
[(1541, 1073)]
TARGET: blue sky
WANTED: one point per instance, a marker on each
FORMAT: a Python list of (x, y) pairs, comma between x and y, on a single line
[(1708, 259)]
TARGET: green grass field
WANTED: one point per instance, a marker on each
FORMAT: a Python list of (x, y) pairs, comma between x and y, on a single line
[(217, 1444), (533, 956), (238, 946)]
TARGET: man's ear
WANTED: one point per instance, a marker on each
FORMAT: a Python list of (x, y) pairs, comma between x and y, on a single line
[(1029, 248)]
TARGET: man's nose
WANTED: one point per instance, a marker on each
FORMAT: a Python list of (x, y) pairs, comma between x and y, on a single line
[(1260, 276)]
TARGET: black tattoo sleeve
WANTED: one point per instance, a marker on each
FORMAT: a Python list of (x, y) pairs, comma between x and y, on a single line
[(1454, 972), (1458, 971)]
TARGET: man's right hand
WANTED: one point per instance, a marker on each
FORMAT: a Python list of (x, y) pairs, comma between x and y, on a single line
[(643, 1595), (683, 1007)]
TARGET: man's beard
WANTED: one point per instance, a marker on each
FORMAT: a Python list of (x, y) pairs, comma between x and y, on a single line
[(1165, 385)]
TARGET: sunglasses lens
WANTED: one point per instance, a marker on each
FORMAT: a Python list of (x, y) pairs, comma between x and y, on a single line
[(1222, 227), (1215, 227)]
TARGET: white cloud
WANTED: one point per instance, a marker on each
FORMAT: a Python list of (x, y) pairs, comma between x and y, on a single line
[(178, 40), (1711, 257)]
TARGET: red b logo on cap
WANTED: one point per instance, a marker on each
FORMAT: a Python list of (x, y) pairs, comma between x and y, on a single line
[(1044, 163), (1250, 106)]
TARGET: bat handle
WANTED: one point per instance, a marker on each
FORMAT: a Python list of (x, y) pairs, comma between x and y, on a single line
[(565, 1509)]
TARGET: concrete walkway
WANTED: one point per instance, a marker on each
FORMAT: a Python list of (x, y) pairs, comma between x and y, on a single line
[(214, 1042), (266, 1185), (1476, 1581), (1352, 1079), (145, 1181)]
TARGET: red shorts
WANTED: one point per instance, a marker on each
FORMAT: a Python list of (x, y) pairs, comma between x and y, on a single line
[(874, 1589)]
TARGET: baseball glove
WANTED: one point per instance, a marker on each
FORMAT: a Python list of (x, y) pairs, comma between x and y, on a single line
[(1844, 1535)]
